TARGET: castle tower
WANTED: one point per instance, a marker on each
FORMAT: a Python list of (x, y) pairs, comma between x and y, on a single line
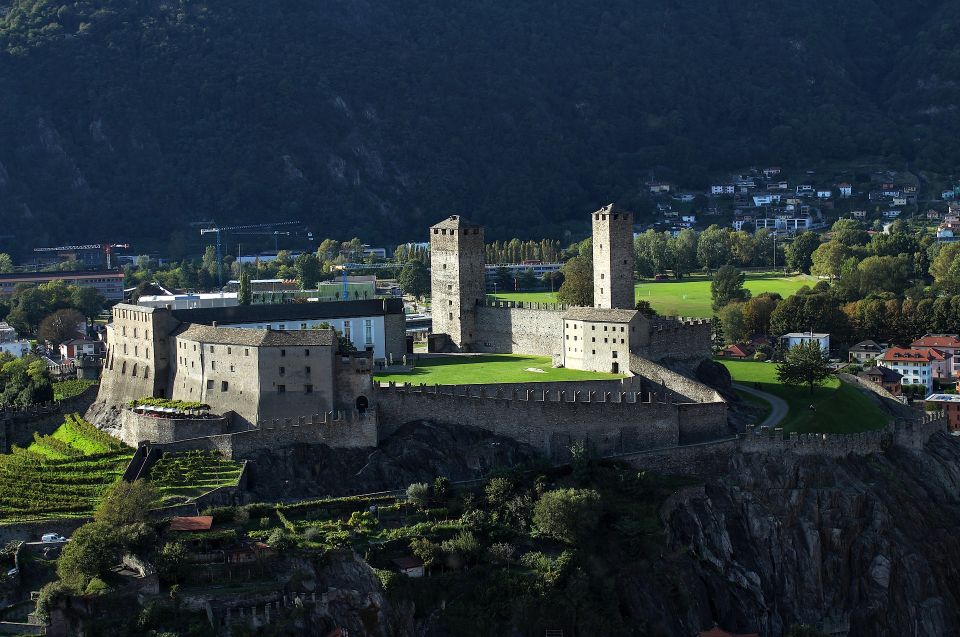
[(457, 278), (613, 258)]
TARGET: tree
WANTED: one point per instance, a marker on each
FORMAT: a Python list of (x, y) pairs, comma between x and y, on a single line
[(849, 232), (503, 279), (577, 288), (828, 259), (61, 326), (428, 552), (945, 268), (414, 279), (502, 553), (568, 514), (713, 247), (309, 271), (245, 293), (800, 252), (727, 286), (758, 311), (171, 560), (734, 324), (6, 263), (126, 503), (88, 301), (645, 309), (805, 364), (418, 494), (90, 553), (498, 491), (683, 250)]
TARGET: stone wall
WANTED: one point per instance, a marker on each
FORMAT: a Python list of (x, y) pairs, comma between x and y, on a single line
[(517, 328), (678, 339), (136, 428), (32, 531), (337, 430), (684, 389), (17, 426), (548, 420), (871, 387)]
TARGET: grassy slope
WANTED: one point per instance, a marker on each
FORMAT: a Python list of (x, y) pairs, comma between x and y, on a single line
[(499, 368), (840, 408), (41, 482), (685, 298)]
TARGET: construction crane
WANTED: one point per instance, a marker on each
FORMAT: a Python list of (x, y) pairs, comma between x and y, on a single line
[(106, 248), (219, 230), (275, 233)]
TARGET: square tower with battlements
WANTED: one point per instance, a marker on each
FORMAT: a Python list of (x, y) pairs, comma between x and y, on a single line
[(613, 258), (457, 278)]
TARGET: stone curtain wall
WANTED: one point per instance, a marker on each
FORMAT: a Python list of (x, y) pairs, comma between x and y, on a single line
[(678, 339), (548, 420), (517, 328), (872, 387), (686, 389)]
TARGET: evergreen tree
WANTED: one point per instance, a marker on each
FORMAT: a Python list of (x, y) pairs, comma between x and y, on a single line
[(245, 294)]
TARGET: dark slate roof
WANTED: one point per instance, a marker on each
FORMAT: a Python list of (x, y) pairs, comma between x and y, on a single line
[(289, 311), (885, 374), (455, 221), (257, 338), (866, 346), (599, 315)]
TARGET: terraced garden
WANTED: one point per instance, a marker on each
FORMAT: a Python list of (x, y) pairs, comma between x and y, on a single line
[(185, 475), (60, 475)]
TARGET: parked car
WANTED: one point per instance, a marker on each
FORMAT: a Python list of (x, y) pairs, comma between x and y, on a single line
[(52, 538)]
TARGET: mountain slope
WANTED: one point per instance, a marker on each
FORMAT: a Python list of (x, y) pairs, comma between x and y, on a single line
[(129, 119)]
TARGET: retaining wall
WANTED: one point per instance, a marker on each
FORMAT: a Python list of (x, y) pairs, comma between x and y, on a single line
[(509, 328), (549, 420), (334, 429), (18, 425), (135, 428), (678, 339)]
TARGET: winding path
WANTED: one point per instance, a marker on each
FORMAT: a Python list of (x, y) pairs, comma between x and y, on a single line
[(780, 407)]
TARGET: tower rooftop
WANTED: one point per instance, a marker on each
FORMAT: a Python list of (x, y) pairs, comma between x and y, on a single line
[(455, 221)]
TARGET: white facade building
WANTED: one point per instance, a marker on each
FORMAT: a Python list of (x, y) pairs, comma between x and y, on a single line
[(796, 338), (190, 301)]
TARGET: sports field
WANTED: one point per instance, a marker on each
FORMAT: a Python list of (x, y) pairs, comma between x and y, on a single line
[(495, 368), (838, 407), (689, 297)]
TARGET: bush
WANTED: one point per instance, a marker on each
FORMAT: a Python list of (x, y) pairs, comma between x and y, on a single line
[(441, 487), (126, 503), (90, 553), (170, 561), (461, 549), (280, 540), (48, 597), (567, 514), (96, 586), (418, 494)]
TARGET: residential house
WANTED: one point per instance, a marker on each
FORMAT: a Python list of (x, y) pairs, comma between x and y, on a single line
[(658, 187), (738, 351), (917, 366), (858, 214), (846, 190), (778, 185), (933, 215), (949, 404), (77, 346), (885, 377), (947, 195), (10, 343), (824, 194), (864, 351), (899, 201), (691, 219), (947, 343), (771, 171), (793, 339), (805, 190), (891, 214)]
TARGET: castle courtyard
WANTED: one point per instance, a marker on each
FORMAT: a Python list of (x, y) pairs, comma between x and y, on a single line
[(457, 369)]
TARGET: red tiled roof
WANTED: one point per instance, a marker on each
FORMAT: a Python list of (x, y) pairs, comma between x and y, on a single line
[(918, 355), (937, 340), (191, 523), (738, 351)]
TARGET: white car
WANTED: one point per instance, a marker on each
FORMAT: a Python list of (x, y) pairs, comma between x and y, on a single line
[(52, 538)]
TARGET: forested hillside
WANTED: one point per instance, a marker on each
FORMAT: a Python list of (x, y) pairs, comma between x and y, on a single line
[(125, 120)]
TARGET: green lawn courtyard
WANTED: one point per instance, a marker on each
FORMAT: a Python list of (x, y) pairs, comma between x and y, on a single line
[(495, 368), (839, 407), (689, 297)]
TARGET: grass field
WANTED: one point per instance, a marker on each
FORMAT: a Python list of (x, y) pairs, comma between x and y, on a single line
[(192, 473), (61, 475), (839, 408), (496, 368), (690, 297)]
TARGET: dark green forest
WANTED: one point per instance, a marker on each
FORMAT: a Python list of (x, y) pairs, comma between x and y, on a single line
[(124, 120)]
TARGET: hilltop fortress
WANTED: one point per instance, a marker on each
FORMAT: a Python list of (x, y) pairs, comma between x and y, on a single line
[(272, 376)]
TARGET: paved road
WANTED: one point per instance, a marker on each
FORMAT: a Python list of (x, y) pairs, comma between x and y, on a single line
[(780, 407)]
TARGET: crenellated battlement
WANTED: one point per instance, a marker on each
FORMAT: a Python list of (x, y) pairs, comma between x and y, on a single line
[(493, 302), (331, 418), (548, 395)]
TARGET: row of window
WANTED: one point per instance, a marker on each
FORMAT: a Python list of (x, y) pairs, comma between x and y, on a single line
[(593, 339), (612, 328), (136, 350), (453, 232), (592, 352), (133, 371)]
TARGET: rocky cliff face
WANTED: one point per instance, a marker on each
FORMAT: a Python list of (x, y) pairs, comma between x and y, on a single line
[(866, 544)]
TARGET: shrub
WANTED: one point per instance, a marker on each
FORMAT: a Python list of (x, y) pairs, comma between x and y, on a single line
[(418, 494), (441, 487), (96, 586), (170, 561), (126, 503), (91, 552), (498, 491), (461, 549), (48, 596), (280, 540), (567, 514)]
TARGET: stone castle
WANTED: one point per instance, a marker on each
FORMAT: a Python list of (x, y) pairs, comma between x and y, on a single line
[(268, 386), (600, 338)]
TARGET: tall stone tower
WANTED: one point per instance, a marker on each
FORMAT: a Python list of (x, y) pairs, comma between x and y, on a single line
[(613, 258), (457, 278)]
